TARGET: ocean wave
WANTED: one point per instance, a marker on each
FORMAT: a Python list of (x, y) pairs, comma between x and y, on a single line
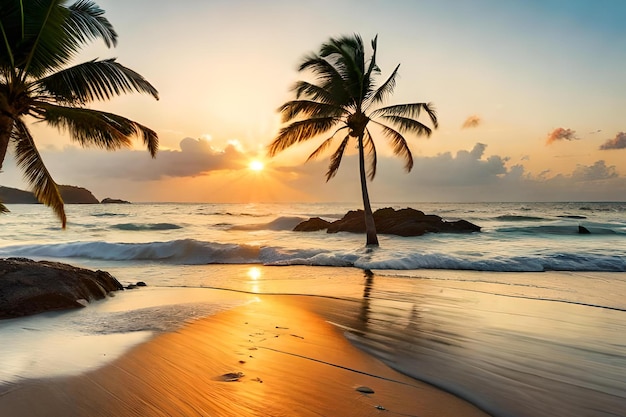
[(228, 213), (280, 223), (193, 252), (517, 218), (561, 229), (184, 251), (109, 214), (148, 226)]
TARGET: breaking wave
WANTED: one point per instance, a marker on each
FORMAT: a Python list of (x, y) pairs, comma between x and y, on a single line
[(194, 252)]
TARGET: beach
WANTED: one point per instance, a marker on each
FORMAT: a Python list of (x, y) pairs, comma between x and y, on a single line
[(279, 358), (524, 319)]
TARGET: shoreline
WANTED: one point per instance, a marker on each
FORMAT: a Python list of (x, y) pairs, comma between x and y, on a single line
[(293, 363)]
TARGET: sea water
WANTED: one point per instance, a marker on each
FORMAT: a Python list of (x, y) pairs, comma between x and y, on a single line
[(525, 318)]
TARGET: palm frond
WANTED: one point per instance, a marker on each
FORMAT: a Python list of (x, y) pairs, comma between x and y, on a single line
[(406, 124), (94, 80), (86, 22), (295, 108), (348, 56), (348, 51), (312, 91), (324, 145), (11, 23), (300, 131), (35, 171), (328, 78), (412, 110), (321, 68), (370, 148), (43, 42), (335, 159), (400, 146), (386, 89), (97, 128), (372, 69), (54, 33)]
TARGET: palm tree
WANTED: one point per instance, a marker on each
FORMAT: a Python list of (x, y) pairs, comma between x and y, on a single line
[(38, 39), (345, 98)]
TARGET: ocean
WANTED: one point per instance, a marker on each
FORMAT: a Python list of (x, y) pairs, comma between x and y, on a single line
[(526, 318)]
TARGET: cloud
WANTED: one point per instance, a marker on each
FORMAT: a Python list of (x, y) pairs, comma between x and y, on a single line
[(195, 157), (597, 171), (465, 175), (618, 142), (471, 121), (560, 134)]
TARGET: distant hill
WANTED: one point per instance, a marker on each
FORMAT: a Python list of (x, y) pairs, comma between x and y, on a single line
[(70, 194)]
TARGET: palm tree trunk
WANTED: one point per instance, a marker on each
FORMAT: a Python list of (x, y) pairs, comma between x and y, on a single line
[(6, 125), (370, 226)]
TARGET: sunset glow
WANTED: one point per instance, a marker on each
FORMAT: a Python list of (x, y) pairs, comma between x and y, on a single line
[(256, 165), (510, 123)]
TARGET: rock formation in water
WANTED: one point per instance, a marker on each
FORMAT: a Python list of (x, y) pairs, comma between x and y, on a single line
[(29, 287), (404, 222), (114, 201)]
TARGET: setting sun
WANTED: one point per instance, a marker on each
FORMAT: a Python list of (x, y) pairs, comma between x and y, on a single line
[(256, 165)]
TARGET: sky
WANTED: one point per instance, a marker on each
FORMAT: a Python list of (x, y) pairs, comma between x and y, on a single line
[(530, 97)]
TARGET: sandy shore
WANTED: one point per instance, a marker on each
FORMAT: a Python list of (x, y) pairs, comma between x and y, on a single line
[(286, 361)]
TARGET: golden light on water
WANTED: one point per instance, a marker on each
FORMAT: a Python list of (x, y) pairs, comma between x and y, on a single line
[(254, 273)]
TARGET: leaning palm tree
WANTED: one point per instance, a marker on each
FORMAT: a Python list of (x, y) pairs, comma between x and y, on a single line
[(345, 98), (38, 40)]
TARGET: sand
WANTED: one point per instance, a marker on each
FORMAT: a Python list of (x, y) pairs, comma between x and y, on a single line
[(285, 361)]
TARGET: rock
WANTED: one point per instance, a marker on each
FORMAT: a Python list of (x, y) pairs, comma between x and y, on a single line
[(404, 222), (141, 284), (28, 287), (583, 230), (232, 376), (114, 201), (312, 225)]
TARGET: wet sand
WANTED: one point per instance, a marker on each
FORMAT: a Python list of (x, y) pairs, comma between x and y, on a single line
[(284, 360)]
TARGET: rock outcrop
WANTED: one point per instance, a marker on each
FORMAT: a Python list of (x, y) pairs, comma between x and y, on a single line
[(404, 222), (312, 225), (29, 287), (114, 201)]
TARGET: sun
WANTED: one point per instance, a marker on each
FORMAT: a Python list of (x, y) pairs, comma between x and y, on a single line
[(256, 165)]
